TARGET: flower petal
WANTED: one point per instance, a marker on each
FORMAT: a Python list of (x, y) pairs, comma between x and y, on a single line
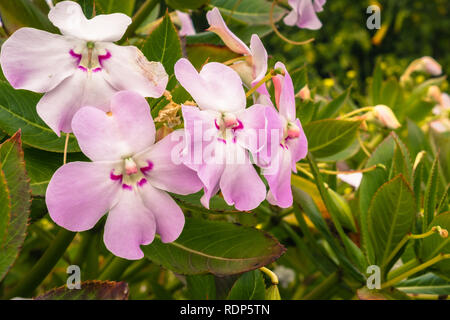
[(259, 59), (126, 130), (278, 176), (318, 5), (69, 18), (168, 172), (57, 107), (298, 146), (129, 224), (217, 87), (253, 135), (80, 193), (303, 15), (30, 65), (285, 90), (240, 183), (218, 26), (168, 215), (129, 69), (187, 27)]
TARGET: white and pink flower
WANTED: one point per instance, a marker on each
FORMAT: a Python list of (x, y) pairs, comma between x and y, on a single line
[(80, 67), (303, 14)]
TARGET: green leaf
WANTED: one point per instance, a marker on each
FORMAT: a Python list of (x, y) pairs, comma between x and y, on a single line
[(41, 166), (90, 290), (201, 287), (248, 12), (249, 286), (429, 202), (435, 244), (216, 247), (23, 13), (15, 202), (185, 4), (328, 137), (272, 293), (164, 45), (385, 294), (344, 213), (199, 54), (330, 109), (377, 80), (216, 205), (390, 217), (114, 6), (428, 283), (18, 111)]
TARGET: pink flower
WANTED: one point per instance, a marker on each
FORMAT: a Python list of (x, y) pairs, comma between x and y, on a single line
[(129, 177), (257, 53), (293, 145), (81, 67), (303, 14), (187, 27), (221, 133)]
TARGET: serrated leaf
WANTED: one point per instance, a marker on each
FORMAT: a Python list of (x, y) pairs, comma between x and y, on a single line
[(429, 204), (249, 286), (435, 244), (18, 111), (390, 217), (164, 45), (216, 247), (328, 137), (248, 12), (201, 287), (90, 290), (16, 201)]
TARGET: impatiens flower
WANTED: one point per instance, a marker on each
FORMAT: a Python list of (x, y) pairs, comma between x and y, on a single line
[(303, 14), (353, 179), (424, 64), (253, 70), (80, 67), (129, 177), (292, 145), (187, 27), (384, 115), (220, 132)]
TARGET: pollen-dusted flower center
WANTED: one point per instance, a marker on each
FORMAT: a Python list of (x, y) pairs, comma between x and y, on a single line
[(90, 57), (227, 124), (292, 131), (130, 174)]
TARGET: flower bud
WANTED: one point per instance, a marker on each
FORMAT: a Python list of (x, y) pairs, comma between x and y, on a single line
[(304, 93), (272, 293), (385, 116)]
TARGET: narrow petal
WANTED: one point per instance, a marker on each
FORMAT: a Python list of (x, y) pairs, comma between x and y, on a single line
[(129, 69), (168, 172), (129, 225), (278, 176), (168, 215), (318, 5), (285, 91), (259, 59), (57, 107), (218, 26), (69, 18), (30, 65), (298, 146), (187, 27), (273, 137), (240, 183), (80, 193), (126, 130), (217, 87)]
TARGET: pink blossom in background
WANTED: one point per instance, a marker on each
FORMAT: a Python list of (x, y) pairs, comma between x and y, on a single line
[(303, 14), (129, 177), (293, 145), (187, 27), (80, 67), (220, 133)]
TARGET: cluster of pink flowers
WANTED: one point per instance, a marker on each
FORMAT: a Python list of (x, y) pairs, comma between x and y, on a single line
[(97, 90)]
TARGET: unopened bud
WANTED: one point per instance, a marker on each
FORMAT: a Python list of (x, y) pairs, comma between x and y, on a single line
[(272, 293), (304, 93), (385, 116)]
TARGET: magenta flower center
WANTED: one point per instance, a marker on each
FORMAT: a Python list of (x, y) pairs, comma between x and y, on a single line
[(90, 58), (130, 174), (227, 125)]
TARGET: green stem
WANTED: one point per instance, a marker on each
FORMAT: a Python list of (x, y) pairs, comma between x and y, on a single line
[(115, 269), (261, 82), (421, 267), (324, 287), (43, 267), (139, 17)]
